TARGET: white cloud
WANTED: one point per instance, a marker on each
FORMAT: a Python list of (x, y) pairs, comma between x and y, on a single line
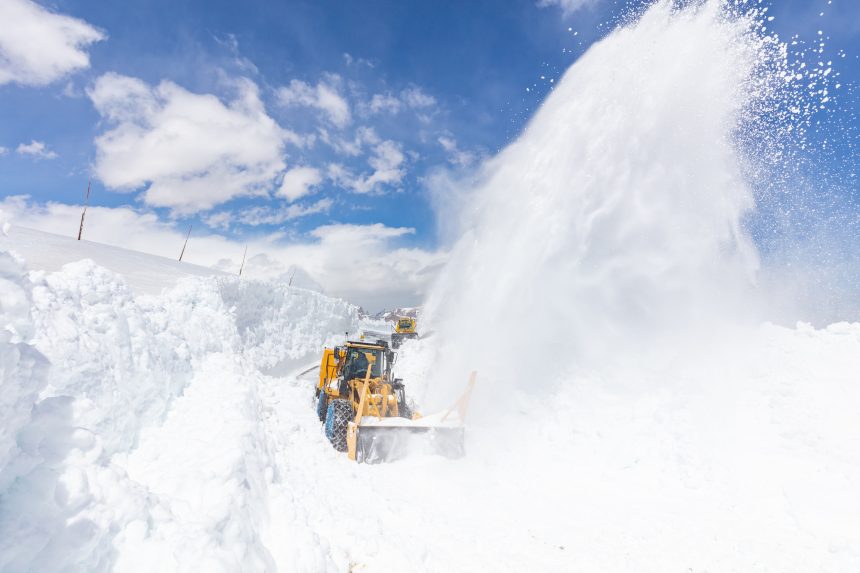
[(386, 273), (456, 156), (349, 60), (333, 254), (387, 162), (36, 149), (339, 174), (359, 235), (324, 97), (567, 6), (410, 98), (266, 216), (192, 150), (384, 102), (70, 91), (341, 145), (38, 47), (3, 150), (415, 98), (220, 220), (367, 135), (352, 148), (242, 63), (298, 182)]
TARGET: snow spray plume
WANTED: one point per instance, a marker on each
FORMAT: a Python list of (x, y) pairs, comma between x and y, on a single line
[(613, 227)]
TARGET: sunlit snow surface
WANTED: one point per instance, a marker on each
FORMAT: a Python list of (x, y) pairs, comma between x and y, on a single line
[(632, 411), (157, 444), (144, 273)]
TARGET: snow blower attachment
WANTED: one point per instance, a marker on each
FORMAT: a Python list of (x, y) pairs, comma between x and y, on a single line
[(366, 413)]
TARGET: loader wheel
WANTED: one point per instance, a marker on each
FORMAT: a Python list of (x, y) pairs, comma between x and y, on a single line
[(338, 415), (404, 410), (322, 406)]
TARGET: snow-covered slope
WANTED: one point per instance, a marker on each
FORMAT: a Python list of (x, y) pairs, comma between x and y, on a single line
[(144, 273), (141, 433), (133, 430)]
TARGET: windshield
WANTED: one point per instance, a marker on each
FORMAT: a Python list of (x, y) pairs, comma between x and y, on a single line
[(356, 363), (405, 323)]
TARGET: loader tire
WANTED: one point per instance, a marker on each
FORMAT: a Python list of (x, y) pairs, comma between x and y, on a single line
[(338, 415), (404, 410), (322, 406)]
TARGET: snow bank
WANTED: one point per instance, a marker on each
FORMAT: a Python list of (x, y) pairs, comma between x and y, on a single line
[(39, 491), (144, 273), (280, 326), (208, 465), (142, 447), (23, 367)]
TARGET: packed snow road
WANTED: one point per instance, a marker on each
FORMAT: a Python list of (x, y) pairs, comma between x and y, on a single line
[(423, 513)]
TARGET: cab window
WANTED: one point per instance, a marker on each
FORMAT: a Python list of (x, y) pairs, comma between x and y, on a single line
[(356, 363)]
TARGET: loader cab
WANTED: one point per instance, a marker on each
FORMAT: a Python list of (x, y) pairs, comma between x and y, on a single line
[(355, 360)]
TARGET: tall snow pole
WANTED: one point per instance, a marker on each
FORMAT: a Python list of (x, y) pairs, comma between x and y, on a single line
[(243, 260), (186, 243), (84, 213)]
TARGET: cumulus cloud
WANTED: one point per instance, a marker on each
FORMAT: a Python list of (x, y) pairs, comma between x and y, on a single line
[(191, 151), (3, 150), (35, 149), (567, 6), (333, 254), (366, 251), (323, 97), (38, 47), (299, 182), (386, 160)]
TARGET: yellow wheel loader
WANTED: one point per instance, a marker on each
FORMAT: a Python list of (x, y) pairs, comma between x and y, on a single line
[(365, 411), (404, 329)]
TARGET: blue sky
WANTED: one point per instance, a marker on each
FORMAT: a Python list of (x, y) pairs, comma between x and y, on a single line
[(475, 59), (361, 101)]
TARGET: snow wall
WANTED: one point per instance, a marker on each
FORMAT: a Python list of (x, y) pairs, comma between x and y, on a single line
[(87, 367)]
